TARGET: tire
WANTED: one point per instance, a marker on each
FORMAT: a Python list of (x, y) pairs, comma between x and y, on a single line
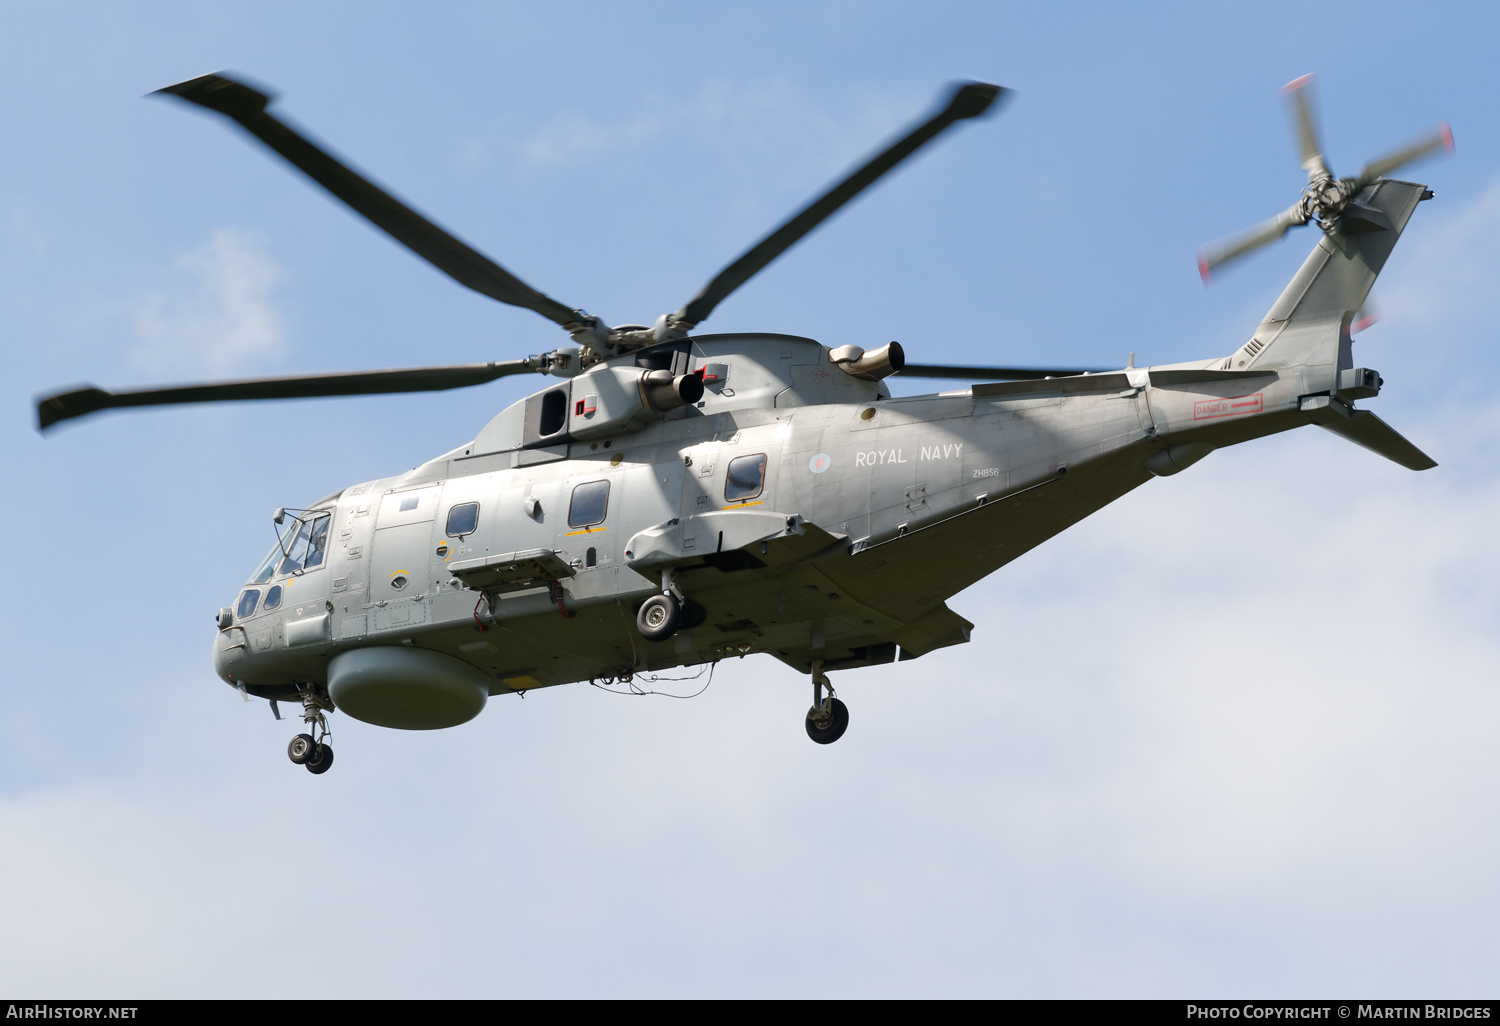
[(300, 749), (838, 723), (320, 759), (658, 617)]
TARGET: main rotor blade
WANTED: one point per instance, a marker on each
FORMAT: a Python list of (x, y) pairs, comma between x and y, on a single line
[(444, 251), (1298, 93), (968, 100), (1382, 166), (944, 370), (66, 405), (1236, 246)]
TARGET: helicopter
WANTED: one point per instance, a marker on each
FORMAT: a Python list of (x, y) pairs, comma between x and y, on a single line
[(676, 498)]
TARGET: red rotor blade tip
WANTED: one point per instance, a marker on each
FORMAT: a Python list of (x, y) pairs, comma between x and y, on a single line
[(1203, 270), (1447, 137), (1296, 83)]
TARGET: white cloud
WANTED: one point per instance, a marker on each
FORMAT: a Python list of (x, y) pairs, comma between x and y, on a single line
[(216, 313), (772, 116), (570, 138)]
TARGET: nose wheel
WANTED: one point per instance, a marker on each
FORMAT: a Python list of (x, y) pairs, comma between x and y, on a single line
[(828, 718), (308, 750)]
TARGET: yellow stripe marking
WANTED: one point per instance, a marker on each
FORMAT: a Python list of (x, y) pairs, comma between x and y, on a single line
[(586, 530), (737, 505)]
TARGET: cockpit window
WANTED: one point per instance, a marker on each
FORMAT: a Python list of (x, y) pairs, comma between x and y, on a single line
[(273, 597), (247, 604), (308, 547), (317, 546)]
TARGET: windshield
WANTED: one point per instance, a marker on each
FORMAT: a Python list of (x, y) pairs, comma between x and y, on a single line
[(307, 548), (302, 546), (267, 565)]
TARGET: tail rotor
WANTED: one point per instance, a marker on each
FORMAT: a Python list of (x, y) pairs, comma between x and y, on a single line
[(1326, 198)]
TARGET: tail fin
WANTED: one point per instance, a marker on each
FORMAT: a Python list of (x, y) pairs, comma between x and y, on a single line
[(1309, 324), (1305, 336)]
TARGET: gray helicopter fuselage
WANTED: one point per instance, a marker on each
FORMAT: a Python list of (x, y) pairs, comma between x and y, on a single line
[(797, 510)]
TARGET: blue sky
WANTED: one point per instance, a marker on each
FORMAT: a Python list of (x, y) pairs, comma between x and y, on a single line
[(1235, 735)]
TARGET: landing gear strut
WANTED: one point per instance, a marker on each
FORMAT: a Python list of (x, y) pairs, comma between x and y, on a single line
[(828, 718), (308, 750)]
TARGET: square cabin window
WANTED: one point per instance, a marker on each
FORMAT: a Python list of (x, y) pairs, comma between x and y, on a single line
[(589, 505), (463, 519), (745, 478)]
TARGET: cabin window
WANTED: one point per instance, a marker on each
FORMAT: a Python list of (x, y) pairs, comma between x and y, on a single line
[(590, 504), (308, 546), (273, 598), (745, 478), (248, 600), (463, 519)]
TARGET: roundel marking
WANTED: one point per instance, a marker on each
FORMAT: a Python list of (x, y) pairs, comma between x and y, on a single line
[(819, 463)]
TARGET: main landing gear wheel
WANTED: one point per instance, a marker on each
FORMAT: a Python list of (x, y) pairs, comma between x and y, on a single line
[(826, 723), (828, 718), (301, 749), (319, 759), (658, 617)]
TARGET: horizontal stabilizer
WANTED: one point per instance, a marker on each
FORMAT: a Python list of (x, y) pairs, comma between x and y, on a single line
[(1364, 428)]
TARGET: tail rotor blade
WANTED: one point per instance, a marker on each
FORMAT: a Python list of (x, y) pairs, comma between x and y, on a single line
[(80, 402), (1237, 246), (1441, 139), (969, 100), (1299, 94)]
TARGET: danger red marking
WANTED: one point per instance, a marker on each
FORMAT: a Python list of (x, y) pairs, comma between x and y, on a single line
[(1234, 406)]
